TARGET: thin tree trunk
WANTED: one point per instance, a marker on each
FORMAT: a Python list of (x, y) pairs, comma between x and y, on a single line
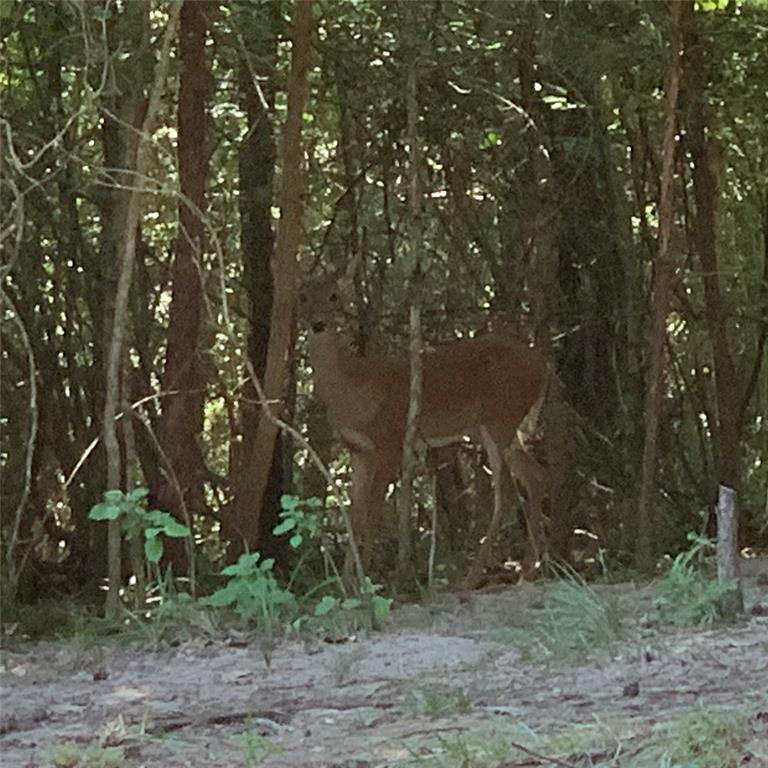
[(662, 290), (136, 551), (125, 112), (141, 163), (284, 266), (405, 544), (734, 384), (182, 418)]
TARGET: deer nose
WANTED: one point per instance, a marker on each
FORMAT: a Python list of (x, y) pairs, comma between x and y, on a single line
[(318, 326)]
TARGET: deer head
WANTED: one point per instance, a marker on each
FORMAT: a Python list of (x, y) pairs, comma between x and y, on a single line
[(320, 304)]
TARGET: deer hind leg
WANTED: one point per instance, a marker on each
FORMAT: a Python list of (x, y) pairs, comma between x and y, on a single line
[(533, 477), (496, 460)]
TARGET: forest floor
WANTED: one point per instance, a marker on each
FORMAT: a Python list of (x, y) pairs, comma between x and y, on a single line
[(531, 675)]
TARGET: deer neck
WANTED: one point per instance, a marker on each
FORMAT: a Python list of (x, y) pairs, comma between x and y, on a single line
[(326, 359)]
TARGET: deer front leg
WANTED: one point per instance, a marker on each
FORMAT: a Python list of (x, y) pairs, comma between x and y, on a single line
[(360, 506), (372, 472)]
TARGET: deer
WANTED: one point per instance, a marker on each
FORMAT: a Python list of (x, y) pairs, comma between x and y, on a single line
[(488, 388)]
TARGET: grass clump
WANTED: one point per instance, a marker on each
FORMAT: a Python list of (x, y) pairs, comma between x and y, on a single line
[(700, 739), (690, 593), (438, 701), (575, 621), (69, 754)]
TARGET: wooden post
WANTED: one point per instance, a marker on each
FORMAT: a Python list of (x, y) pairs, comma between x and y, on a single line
[(732, 602)]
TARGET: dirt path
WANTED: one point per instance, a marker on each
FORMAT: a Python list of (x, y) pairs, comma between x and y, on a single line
[(460, 683)]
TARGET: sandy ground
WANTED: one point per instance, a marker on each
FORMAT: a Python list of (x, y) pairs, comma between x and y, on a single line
[(457, 683)]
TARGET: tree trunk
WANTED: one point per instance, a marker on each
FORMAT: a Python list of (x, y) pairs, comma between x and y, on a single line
[(727, 448), (140, 164), (405, 543), (253, 479), (181, 487), (731, 385), (125, 112), (734, 385), (257, 169), (662, 291)]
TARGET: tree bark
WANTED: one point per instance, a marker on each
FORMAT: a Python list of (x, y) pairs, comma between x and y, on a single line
[(729, 388), (734, 385), (662, 291), (253, 480), (140, 164), (405, 543), (181, 423), (257, 169), (125, 111)]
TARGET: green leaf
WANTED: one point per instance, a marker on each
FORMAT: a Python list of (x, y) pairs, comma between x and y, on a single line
[(381, 606), (160, 519), (289, 502), (490, 139), (167, 523), (137, 495), (153, 548), (228, 594), (113, 497), (287, 525), (244, 565), (295, 540), (350, 603), (325, 605), (104, 511), (176, 530)]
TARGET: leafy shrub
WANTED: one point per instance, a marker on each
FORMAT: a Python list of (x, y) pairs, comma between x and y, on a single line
[(254, 593), (136, 521)]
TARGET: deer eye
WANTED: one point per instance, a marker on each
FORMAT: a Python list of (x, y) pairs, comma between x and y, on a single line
[(333, 297)]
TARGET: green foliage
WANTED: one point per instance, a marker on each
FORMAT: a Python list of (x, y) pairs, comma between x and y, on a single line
[(367, 608), (690, 592), (462, 750), (256, 748), (713, 5), (137, 521), (301, 519), (702, 738), (438, 701)]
